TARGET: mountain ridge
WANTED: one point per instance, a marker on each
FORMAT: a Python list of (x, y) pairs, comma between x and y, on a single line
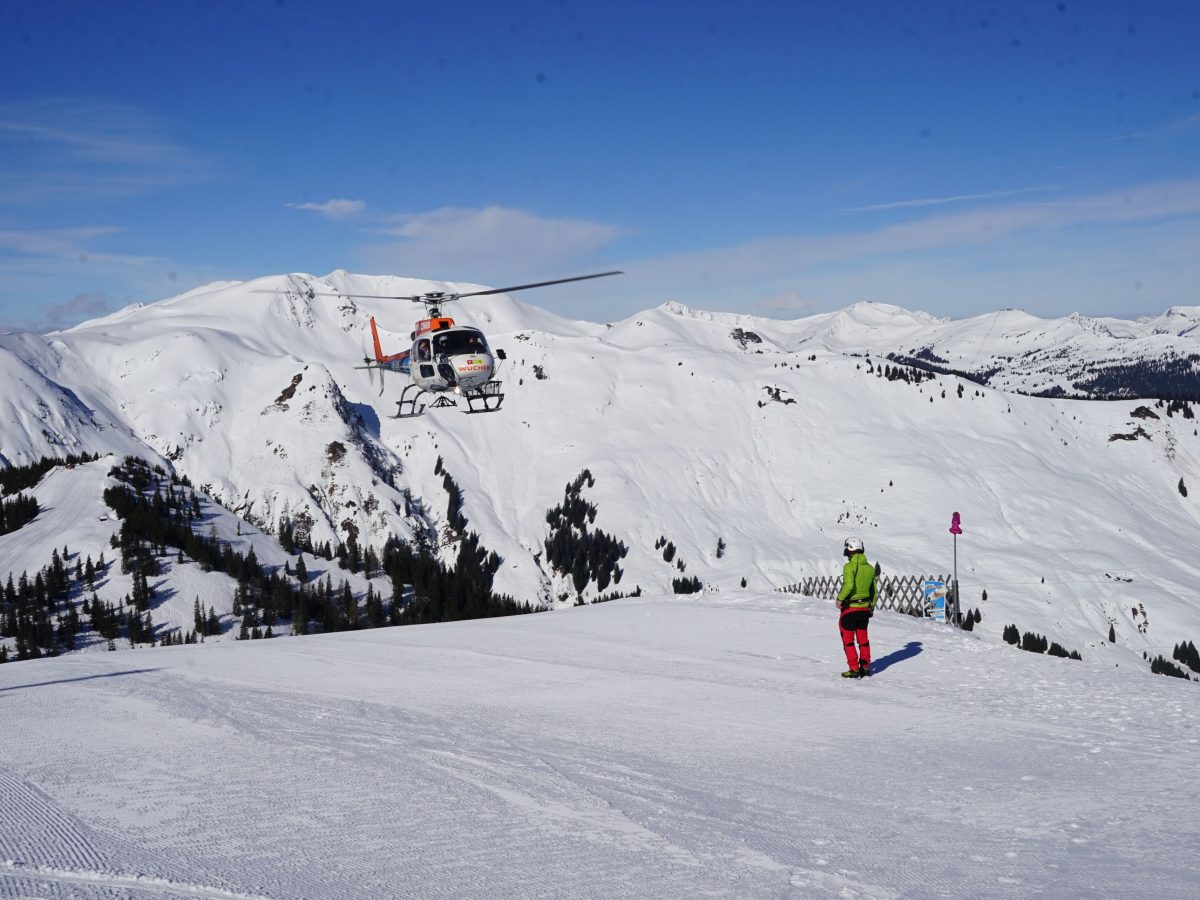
[(696, 435)]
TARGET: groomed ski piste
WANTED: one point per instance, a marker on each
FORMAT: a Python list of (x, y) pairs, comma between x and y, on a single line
[(699, 746)]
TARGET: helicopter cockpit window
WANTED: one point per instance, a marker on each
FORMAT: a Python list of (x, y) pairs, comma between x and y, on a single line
[(423, 350), (456, 343)]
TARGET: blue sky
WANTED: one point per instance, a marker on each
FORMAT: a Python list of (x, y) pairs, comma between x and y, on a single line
[(771, 158)]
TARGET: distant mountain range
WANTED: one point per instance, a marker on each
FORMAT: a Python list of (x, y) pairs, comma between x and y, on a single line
[(751, 446)]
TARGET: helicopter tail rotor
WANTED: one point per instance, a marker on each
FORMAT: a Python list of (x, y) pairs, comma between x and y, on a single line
[(371, 367)]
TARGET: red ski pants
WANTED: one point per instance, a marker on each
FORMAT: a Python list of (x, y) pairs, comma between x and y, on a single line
[(853, 625)]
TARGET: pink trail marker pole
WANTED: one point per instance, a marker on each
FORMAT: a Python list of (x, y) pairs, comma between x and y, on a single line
[(956, 530)]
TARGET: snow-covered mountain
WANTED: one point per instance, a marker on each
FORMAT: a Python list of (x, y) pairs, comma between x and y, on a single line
[(40, 415), (750, 446), (1074, 356)]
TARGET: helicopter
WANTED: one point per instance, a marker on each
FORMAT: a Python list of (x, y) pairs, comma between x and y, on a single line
[(446, 359)]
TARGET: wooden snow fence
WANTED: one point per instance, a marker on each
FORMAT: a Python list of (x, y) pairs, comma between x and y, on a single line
[(899, 593)]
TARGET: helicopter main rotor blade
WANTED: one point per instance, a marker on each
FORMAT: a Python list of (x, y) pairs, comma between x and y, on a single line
[(329, 294), (369, 296), (442, 297), (524, 287)]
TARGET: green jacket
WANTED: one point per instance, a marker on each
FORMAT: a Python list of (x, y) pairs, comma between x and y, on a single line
[(858, 583)]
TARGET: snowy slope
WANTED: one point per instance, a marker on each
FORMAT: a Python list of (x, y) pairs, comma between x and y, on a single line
[(47, 407), (664, 747), (235, 389), (255, 397), (1009, 349), (75, 519)]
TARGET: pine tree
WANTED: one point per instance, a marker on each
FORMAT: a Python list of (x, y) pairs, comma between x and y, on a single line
[(1034, 643), (1185, 652), (1112, 633), (1160, 666)]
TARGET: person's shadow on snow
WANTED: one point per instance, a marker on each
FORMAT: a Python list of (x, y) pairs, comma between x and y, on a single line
[(911, 649)]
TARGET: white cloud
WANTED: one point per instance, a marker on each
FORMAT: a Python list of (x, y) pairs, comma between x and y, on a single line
[(1170, 129), (57, 243), (955, 198), (77, 259), (782, 256), (1026, 254), (333, 209), (485, 244), (89, 305), (79, 147)]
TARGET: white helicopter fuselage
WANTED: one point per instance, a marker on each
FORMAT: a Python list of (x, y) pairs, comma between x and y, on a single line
[(447, 358), (450, 358)]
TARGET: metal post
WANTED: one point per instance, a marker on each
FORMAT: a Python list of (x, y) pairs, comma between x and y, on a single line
[(956, 530), (957, 611)]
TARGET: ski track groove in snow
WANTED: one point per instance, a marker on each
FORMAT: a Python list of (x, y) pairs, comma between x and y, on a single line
[(32, 826), (30, 820), (87, 883)]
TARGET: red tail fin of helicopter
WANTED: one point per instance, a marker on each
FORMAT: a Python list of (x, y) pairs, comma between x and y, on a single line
[(375, 338), (379, 357)]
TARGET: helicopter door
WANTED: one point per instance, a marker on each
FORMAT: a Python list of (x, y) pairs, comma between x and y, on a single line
[(425, 358)]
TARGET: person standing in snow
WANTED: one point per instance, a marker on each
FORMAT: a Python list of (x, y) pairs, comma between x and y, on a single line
[(856, 600)]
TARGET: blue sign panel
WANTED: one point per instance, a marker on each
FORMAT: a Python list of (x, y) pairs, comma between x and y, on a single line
[(935, 599)]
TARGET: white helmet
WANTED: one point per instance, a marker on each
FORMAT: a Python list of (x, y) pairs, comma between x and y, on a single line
[(854, 545)]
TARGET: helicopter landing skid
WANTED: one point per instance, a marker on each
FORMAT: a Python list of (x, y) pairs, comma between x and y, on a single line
[(407, 406), (488, 396), (484, 399)]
